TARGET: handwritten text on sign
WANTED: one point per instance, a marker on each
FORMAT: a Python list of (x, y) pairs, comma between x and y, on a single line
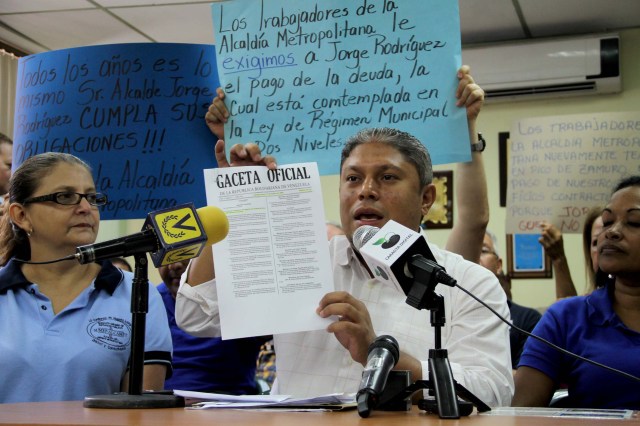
[(301, 77), (135, 112), (560, 167)]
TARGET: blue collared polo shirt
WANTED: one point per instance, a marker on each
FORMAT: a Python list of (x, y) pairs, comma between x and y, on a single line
[(82, 350), (588, 326)]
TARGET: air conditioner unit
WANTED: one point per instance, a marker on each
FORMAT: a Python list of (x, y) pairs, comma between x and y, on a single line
[(537, 69)]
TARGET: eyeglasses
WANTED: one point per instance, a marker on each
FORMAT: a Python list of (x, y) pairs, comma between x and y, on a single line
[(70, 198), (487, 251)]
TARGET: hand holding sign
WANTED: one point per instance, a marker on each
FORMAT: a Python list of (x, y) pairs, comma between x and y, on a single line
[(300, 78)]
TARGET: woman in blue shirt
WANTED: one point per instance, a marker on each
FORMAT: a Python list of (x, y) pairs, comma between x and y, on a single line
[(65, 327), (603, 326)]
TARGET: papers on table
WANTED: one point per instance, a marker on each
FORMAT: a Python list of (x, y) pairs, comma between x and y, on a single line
[(203, 400), (580, 413)]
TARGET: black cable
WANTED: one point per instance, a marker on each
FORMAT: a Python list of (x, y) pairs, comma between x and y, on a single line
[(70, 257), (558, 348)]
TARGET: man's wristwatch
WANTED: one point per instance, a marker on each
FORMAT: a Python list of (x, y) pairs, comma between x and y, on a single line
[(480, 145)]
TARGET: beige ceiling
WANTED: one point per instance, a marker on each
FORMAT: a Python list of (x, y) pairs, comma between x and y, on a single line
[(34, 26)]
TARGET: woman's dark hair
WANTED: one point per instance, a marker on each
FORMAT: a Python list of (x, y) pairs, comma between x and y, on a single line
[(627, 182), (24, 182), (592, 215)]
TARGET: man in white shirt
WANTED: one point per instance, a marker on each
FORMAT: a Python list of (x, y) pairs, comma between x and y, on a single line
[(384, 174)]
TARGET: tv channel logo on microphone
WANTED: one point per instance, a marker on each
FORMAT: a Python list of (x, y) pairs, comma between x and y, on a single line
[(383, 251), (388, 241), (180, 234)]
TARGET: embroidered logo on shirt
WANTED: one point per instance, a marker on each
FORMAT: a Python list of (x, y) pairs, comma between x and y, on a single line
[(111, 333)]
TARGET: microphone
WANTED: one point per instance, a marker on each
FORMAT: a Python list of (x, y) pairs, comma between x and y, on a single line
[(171, 235), (399, 255), (383, 355)]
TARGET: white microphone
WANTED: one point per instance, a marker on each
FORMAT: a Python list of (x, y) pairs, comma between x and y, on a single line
[(383, 355), (397, 254)]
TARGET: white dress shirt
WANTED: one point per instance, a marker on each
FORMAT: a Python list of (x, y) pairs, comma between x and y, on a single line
[(314, 363)]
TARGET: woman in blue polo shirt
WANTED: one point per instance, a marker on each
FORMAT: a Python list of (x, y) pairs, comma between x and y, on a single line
[(603, 326), (65, 328)]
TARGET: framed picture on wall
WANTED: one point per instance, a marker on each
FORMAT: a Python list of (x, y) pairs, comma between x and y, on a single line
[(441, 213), (526, 257), (503, 161)]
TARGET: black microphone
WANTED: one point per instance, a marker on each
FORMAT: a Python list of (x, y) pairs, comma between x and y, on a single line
[(399, 255), (171, 235), (383, 355)]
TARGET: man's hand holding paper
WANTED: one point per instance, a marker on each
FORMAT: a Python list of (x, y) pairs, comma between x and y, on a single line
[(354, 329)]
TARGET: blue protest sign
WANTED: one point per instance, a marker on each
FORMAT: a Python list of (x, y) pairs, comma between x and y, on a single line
[(135, 112), (301, 77)]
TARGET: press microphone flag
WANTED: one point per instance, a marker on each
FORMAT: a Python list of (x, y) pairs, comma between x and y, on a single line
[(170, 235), (389, 250)]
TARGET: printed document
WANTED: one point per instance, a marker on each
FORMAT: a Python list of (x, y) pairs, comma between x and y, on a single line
[(273, 268)]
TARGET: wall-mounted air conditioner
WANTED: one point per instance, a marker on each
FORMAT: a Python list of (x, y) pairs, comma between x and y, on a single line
[(536, 69)]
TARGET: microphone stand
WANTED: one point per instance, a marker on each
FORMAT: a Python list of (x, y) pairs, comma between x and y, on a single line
[(136, 398), (441, 384)]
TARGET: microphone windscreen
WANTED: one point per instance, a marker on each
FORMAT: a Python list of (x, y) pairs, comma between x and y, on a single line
[(389, 343), (363, 234), (215, 223)]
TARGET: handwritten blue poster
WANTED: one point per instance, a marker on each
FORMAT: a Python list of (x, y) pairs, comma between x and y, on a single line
[(301, 77), (134, 112)]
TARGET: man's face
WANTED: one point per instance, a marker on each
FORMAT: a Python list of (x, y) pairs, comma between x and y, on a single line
[(377, 184), (489, 259), (171, 273), (6, 151)]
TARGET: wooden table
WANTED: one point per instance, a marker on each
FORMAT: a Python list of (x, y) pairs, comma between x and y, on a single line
[(73, 413)]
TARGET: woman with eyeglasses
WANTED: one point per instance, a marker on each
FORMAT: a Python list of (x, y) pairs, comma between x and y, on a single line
[(65, 328)]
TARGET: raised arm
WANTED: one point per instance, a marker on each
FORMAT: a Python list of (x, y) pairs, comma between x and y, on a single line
[(217, 114), (551, 240), (471, 188)]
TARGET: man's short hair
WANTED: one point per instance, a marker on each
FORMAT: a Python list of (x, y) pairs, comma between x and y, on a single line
[(494, 240), (408, 145)]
